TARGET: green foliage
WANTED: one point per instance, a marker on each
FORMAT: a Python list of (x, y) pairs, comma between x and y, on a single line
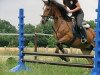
[(28, 39), (51, 42), (92, 23), (3, 41), (29, 29), (9, 41), (11, 61), (45, 28), (42, 41), (39, 28), (6, 27), (30, 44), (13, 41)]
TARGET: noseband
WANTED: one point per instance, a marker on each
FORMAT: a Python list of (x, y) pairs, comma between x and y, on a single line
[(47, 17)]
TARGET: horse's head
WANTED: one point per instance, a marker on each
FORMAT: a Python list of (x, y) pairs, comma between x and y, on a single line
[(47, 12), (53, 9)]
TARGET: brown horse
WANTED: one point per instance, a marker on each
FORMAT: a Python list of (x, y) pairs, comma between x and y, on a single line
[(64, 29)]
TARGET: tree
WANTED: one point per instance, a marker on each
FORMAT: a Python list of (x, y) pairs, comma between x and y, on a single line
[(29, 28), (30, 44), (51, 42), (6, 27), (3, 41), (42, 41), (45, 28), (28, 39)]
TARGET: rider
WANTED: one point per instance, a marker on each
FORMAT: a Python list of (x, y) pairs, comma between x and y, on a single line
[(74, 7)]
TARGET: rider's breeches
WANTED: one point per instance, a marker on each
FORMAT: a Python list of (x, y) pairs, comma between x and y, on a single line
[(79, 19)]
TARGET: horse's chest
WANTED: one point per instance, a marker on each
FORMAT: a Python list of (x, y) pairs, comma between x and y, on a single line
[(63, 29)]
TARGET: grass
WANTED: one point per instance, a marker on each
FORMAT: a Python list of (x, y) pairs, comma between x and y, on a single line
[(39, 69), (43, 69)]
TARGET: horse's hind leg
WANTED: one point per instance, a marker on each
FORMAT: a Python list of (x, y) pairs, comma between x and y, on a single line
[(60, 47), (87, 52)]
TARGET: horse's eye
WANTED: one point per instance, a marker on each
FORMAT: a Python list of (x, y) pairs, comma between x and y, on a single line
[(48, 9)]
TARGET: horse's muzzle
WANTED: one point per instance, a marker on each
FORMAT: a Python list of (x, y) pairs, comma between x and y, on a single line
[(43, 21)]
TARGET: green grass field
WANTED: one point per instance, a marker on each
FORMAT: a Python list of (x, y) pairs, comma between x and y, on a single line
[(37, 69), (40, 69)]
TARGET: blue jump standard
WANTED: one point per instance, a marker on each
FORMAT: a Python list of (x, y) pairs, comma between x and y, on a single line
[(96, 69), (21, 65)]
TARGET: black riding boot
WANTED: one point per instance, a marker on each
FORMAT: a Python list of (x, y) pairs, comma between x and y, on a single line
[(83, 35)]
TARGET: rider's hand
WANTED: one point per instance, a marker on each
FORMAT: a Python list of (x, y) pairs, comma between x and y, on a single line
[(70, 11)]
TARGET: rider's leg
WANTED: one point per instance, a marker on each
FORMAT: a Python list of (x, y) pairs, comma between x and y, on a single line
[(83, 34), (81, 29)]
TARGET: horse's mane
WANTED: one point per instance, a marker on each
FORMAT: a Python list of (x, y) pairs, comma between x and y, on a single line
[(61, 8)]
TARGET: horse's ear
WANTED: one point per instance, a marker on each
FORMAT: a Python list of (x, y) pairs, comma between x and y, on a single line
[(49, 1), (46, 2)]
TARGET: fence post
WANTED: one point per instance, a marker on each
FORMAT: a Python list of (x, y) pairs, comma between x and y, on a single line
[(35, 43)]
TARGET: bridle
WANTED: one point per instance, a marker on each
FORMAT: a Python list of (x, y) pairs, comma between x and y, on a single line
[(47, 17), (50, 15)]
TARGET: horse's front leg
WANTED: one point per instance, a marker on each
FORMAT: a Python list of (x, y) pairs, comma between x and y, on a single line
[(60, 47), (57, 50), (66, 38)]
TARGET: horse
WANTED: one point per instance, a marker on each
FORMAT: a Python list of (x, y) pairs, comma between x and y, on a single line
[(64, 30)]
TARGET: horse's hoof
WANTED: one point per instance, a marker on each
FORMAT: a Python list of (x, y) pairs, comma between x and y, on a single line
[(65, 59)]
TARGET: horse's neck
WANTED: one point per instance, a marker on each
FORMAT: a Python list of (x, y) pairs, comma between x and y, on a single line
[(58, 21), (57, 17)]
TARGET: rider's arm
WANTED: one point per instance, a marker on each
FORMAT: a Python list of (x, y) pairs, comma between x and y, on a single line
[(76, 9), (65, 5), (64, 2)]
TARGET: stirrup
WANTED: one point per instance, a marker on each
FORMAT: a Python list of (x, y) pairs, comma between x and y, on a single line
[(83, 40)]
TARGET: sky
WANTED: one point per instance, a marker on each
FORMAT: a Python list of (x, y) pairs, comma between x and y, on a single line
[(33, 9)]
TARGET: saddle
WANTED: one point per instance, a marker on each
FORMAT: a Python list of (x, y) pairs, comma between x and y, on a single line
[(76, 30), (84, 23)]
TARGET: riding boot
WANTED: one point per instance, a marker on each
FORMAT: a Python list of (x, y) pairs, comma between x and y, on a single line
[(83, 35)]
